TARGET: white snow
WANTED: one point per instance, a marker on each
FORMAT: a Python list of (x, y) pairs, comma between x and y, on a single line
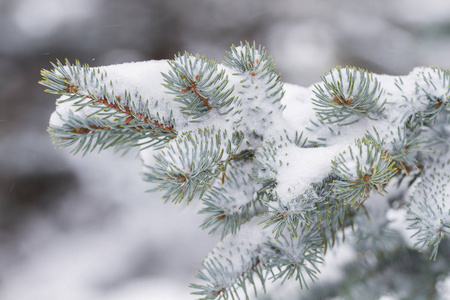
[(301, 168), (235, 253)]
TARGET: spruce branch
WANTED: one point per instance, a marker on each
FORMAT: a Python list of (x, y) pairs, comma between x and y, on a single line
[(232, 203), (232, 135), (428, 213), (254, 256), (433, 89), (188, 165), (304, 209), (296, 256), (372, 231), (259, 88), (347, 95), (87, 90), (234, 264), (198, 85), (364, 167), (403, 145), (90, 133), (253, 64)]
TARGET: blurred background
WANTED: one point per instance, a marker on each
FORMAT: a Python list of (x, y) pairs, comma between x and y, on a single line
[(84, 228)]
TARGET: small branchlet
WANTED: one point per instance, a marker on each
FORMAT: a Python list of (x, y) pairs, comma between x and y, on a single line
[(231, 204), (233, 265), (296, 255), (87, 134), (403, 145), (428, 213), (303, 210), (126, 116), (347, 95), (260, 88), (253, 255), (188, 165), (433, 90), (364, 167), (198, 85)]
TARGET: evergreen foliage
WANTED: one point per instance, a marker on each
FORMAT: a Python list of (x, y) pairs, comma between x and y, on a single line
[(348, 94), (198, 85), (279, 191)]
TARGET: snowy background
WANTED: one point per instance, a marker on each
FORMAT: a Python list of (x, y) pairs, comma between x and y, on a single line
[(84, 228)]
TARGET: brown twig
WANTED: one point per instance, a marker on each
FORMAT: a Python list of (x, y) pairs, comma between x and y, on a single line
[(404, 168), (193, 88), (70, 88)]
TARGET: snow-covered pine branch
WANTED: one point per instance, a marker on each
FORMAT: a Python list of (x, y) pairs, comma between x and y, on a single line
[(282, 171)]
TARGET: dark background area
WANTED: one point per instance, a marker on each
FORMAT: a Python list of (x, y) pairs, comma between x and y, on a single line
[(84, 228)]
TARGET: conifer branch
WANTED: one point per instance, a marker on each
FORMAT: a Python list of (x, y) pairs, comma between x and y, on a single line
[(88, 90), (187, 166), (198, 85), (348, 94), (231, 203), (279, 195), (88, 134), (363, 168), (429, 215)]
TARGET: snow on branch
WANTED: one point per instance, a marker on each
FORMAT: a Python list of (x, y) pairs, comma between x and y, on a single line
[(282, 171)]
